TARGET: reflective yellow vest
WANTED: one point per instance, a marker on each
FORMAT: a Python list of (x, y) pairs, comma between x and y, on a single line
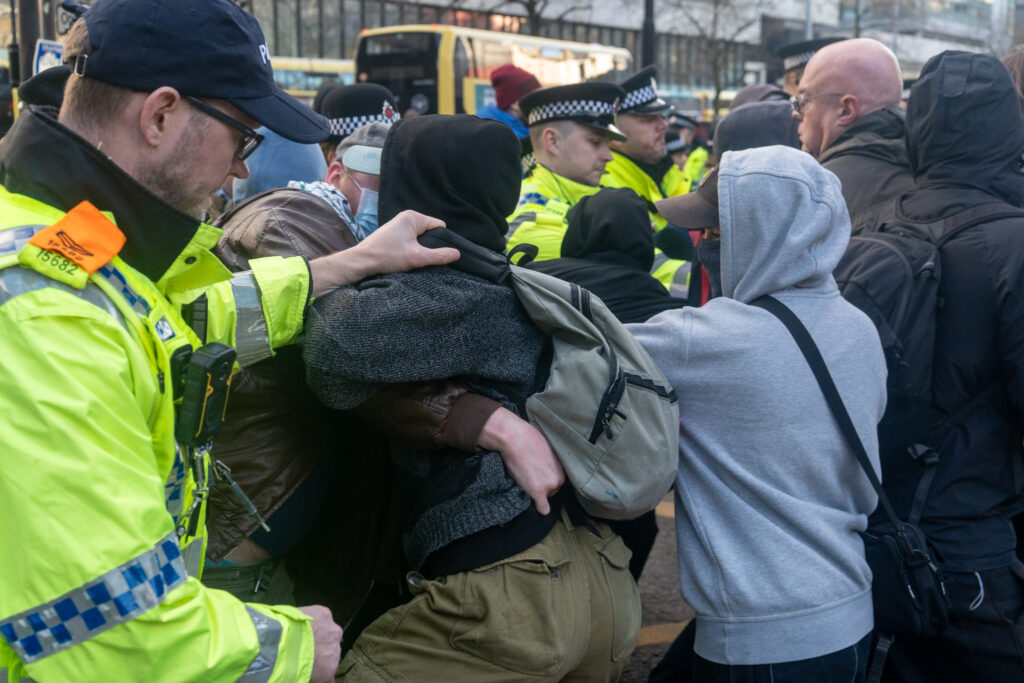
[(623, 172), (693, 169), (98, 580), (539, 219)]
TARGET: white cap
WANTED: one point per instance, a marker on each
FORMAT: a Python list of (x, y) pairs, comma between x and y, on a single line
[(362, 159)]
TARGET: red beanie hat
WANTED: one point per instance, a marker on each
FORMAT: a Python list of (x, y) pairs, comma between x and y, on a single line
[(510, 83)]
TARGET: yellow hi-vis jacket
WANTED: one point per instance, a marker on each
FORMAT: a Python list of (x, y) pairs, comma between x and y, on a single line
[(98, 578), (539, 219), (693, 169), (623, 172)]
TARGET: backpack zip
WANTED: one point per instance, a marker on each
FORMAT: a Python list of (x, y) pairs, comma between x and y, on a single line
[(650, 385)]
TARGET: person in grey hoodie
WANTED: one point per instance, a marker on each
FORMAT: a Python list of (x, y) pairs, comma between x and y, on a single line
[(769, 497)]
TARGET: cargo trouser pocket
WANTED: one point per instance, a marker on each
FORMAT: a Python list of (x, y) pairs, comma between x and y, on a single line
[(623, 594), (516, 614)]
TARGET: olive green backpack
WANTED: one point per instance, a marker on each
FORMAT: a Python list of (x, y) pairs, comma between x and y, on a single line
[(608, 412)]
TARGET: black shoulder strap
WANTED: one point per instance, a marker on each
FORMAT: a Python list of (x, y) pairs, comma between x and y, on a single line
[(828, 388), (985, 213), (529, 252), (966, 219)]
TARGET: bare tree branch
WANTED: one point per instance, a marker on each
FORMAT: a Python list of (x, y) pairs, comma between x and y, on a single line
[(569, 10), (718, 24)]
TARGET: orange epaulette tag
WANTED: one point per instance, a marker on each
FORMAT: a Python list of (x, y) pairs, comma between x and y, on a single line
[(84, 236)]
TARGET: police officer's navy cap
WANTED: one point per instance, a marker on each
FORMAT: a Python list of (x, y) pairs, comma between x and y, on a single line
[(202, 48), (796, 55), (349, 107), (642, 93), (591, 104)]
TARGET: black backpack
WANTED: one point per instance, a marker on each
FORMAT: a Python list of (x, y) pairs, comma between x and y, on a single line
[(891, 271)]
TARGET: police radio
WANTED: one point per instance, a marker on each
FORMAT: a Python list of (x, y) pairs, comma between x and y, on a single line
[(204, 379)]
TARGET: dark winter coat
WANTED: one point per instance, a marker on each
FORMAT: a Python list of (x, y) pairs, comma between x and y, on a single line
[(980, 328), (870, 159)]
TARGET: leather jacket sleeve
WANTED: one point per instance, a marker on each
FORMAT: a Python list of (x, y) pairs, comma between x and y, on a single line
[(428, 415)]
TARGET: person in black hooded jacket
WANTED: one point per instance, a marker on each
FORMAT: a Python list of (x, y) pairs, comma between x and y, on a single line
[(978, 369), (609, 249), (504, 587)]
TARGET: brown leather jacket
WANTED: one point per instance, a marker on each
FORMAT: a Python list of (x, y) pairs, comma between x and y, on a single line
[(277, 434)]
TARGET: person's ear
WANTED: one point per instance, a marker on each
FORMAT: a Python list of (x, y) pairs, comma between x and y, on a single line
[(335, 173), (552, 140), (162, 115), (849, 110)]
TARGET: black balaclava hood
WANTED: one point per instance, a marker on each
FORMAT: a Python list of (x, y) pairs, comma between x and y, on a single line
[(614, 224), (964, 126), (460, 169)]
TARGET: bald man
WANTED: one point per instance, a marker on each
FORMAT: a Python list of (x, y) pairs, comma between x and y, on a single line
[(848, 106)]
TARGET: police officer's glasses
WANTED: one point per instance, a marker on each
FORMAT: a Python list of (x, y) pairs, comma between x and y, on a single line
[(799, 103), (250, 138)]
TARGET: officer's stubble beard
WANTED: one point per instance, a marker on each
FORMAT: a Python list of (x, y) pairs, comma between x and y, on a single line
[(174, 181)]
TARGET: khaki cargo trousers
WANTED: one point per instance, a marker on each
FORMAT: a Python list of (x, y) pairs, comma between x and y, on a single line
[(566, 609)]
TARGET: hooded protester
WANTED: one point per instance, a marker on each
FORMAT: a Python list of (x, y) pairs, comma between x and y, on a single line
[(609, 249), (770, 499), (514, 587), (978, 363)]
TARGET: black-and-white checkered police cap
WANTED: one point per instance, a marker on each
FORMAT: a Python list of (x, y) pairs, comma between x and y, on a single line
[(642, 94)]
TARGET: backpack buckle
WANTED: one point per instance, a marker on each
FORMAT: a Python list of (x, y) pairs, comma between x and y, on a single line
[(926, 454)]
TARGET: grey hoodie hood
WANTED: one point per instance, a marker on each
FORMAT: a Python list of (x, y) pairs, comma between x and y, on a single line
[(783, 219)]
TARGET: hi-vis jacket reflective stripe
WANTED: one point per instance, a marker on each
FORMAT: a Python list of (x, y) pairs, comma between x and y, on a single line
[(622, 172), (95, 583), (539, 219)]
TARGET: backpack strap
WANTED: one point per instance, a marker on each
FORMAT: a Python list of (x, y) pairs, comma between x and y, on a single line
[(985, 213), (529, 252), (952, 225), (828, 388)]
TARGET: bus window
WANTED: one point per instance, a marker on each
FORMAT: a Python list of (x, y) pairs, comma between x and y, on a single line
[(448, 68), (406, 64), (490, 54), (303, 77)]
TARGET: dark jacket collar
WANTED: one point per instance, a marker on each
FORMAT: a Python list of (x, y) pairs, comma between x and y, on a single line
[(45, 160), (878, 134)]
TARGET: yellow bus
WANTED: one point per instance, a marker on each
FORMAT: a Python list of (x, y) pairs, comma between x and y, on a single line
[(301, 77), (441, 69)]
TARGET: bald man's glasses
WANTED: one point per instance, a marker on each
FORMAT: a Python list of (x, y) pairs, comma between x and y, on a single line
[(799, 103)]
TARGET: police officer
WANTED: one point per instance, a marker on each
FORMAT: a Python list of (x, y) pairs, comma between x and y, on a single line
[(640, 163), (350, 107), (794, 58), (100, 244), (571, 127)]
